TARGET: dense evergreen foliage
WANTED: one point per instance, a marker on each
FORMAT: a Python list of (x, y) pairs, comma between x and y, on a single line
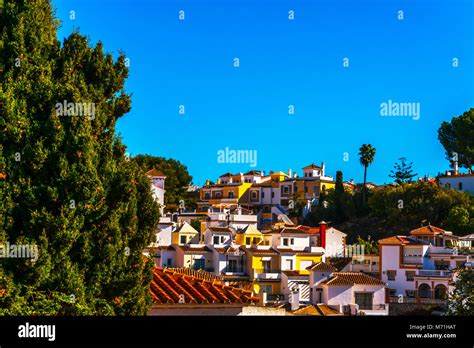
[(66, 185)]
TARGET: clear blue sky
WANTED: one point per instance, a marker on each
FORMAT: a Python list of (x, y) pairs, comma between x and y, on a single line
[(285, 62)]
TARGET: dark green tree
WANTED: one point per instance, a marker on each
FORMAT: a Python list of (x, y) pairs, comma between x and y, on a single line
[(461, 300), (366, 157), (457, 137), (403, 171), (67, 187)]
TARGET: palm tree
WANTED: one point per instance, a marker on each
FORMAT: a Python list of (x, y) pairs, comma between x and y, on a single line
[(366, 154)]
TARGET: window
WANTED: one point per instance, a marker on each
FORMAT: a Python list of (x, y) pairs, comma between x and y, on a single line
[(273, 194), (391, 275), (254, 195), (182, 239), (215, 240), (410, 275), (199, 264), (233, 266), (247, 241), (364, 299), (266, 266), (255, 240), (285, 241), (267, 289), (231, 194), (410, 293), (169, 262), (263, 194), (306, 189), (292, 241), (460, 186), (289, 264), (222, 239), (207, 195), (286, 189), (392, 292), (310, 174), (296, 188)]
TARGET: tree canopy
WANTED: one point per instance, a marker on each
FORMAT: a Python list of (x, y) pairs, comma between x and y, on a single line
[(457, 138), (67, 186), (403, 171)]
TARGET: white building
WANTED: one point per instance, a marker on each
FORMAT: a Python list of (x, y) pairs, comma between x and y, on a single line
[(455, 180), (419, 268), (157, 180), (352, 293)]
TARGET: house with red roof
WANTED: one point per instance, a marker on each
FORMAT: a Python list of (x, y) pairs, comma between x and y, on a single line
[(350, 293), (419, 268)]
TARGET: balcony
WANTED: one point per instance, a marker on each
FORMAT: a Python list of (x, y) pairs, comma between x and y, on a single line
[(233, 270), (418, 300), (435, 273), (267, 274), (274, 298)]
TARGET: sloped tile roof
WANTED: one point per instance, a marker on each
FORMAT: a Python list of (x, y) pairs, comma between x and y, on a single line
[(169, 287), (320, 310), (312, 166), (322, 267), (195, 273), (194, 249), (401, 240), (220, 229), (154, 172), (352, 278), (427, 230)]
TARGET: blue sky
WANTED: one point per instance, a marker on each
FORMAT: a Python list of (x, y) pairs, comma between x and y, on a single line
[(286, 62)]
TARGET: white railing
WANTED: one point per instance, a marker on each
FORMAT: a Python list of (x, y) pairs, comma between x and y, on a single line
[(434, 273)]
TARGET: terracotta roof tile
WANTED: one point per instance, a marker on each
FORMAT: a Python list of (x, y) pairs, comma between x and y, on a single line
[(220, 229), (170, 287), (322, 267), (352, 278), (194, 249), (155, 172), (427, 230)]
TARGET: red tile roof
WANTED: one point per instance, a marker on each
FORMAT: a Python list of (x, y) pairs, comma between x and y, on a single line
[(195, 273), (169, 287), (219, 229), (194, 249), (154, 172), (352, 278), (257, 251), (320, 309), (322, 267), (427, 231), (400, 240), (312, 166), (310, 230)]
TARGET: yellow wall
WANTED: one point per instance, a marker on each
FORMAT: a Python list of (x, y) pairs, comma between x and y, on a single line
[(314, 259), (190, 257), (275, 287), (240, 238), (191, 238)]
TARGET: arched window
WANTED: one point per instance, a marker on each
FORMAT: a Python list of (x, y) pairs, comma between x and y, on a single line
[(424, 291), (441, 292)]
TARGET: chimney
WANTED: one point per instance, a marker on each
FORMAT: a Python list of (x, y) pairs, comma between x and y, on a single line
[(456, 168), (208, 182), (323, 169), (295, 175), (294, 300), (322, 234), (289, 173), (263, 173)]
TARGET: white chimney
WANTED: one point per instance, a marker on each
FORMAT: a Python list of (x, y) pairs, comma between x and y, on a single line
[(294, 300), (456, 168), (289, 173), (323, 168)]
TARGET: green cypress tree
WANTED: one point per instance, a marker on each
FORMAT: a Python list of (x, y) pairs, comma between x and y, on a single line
[(68, 186)]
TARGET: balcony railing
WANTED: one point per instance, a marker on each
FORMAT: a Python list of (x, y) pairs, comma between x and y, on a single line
[(419, 300), (435, 273), (267, 273), (275, 297), (373, 307), (233, 270)]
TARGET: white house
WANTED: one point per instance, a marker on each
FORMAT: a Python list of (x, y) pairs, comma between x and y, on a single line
[(419, 268), (164, 231), (352, 293), (455, 180), (157, 180)]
